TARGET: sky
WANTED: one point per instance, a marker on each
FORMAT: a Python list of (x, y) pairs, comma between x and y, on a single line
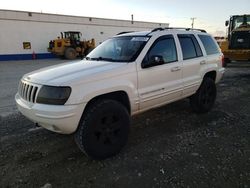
[(209, 15)]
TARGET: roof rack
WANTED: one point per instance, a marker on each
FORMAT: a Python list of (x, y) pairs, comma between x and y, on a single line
[(124, 32), (157, 29), (183, 28)]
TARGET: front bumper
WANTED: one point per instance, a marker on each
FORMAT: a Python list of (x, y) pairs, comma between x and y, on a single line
[(57, 118)]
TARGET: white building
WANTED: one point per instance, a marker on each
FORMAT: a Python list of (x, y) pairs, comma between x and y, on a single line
[(18, 28)]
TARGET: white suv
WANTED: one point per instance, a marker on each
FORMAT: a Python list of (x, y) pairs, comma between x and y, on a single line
[(125, 75)]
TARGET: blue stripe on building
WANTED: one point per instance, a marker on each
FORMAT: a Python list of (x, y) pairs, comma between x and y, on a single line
[(10, 57)]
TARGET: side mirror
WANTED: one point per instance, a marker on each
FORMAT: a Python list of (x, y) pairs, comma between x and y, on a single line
[(157, 60), (153, 61), (227, 23)]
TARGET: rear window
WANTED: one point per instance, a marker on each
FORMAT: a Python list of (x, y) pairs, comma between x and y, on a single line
[(209, 44)]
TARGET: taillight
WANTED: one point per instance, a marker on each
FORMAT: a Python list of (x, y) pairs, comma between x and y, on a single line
[(59, 44)]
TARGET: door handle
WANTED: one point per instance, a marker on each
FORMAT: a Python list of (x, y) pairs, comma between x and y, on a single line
[(203, 62), (175, 69)]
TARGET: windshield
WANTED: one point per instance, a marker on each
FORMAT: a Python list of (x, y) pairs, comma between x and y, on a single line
[(119, 49), (72, 35), (239, 20)]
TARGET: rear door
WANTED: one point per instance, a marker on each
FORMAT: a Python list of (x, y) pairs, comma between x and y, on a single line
[(192, 60)]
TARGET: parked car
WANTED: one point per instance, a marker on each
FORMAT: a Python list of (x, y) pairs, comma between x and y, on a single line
[(124, 76)]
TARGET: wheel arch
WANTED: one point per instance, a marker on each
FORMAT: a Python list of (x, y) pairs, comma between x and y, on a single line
[(210, 74), (119, 96)]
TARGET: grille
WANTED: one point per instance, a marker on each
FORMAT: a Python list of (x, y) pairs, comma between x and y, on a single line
[(28, 91)]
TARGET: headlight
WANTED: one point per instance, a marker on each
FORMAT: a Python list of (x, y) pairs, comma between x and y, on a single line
[(53, 95)]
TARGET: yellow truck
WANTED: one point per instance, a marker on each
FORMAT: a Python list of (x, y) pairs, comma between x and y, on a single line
[(237, 45), (69, 45)]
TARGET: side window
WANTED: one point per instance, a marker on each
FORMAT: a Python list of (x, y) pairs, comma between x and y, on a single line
[(190, 47), (209, 44), (164, 47), (197, 46)]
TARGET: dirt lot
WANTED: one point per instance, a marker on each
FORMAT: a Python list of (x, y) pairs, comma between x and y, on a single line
[(168, 147)]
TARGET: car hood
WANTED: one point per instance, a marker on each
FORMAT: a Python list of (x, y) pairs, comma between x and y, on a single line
[(66, 73)]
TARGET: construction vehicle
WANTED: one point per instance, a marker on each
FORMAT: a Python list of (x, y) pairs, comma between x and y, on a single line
[(69, 45), (236, 47)]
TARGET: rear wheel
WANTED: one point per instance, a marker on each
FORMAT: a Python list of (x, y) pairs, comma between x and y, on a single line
[(70, 53), (203, 100), (103, 129)]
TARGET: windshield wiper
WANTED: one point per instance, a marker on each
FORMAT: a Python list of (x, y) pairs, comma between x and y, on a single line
[(100, 59)]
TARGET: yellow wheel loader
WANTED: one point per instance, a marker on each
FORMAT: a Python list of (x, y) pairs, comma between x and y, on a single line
[(237, 45), (70, 46)]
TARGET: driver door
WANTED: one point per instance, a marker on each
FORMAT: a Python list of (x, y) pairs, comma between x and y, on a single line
[(159, 84)]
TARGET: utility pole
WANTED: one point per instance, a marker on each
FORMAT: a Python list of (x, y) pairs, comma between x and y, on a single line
[(192, 24)]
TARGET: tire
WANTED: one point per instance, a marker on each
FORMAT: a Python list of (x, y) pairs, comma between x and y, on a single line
[(103, 129), (70, 53), (203, 100)]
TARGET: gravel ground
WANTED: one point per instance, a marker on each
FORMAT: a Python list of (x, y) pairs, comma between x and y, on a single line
[(168, 147)]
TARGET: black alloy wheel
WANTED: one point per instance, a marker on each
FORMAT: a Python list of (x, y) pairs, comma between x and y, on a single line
[(203, 100), (103, 129)]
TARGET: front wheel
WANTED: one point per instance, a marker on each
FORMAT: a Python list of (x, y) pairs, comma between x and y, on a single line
[(103, 129), (70, 53), (203, 100)]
